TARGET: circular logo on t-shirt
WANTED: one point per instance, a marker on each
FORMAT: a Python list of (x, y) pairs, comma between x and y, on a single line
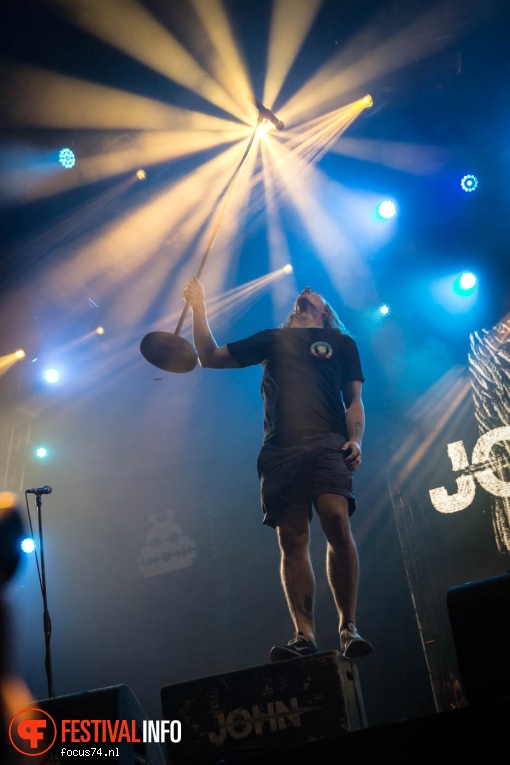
[(321, 350)]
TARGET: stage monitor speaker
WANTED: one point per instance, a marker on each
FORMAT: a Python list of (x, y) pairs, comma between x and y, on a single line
[(479, 614), (115, 703), (262, 710)]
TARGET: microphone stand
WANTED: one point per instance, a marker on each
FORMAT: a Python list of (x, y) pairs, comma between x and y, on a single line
[(46, 614), (168, 350)]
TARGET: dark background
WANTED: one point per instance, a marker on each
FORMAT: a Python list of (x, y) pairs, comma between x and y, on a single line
[(145, 464)]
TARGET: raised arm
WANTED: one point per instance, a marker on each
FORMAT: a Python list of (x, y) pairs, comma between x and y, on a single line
[(209, 354), (355, 422)]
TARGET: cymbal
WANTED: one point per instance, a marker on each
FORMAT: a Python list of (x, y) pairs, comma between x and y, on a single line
[(169, 352)]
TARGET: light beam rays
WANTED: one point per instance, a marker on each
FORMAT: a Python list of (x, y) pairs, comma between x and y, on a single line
[(223, 308), (124, 248), (224, 247), (228, 304), (144, 150), (43, 99), (138, 254), (311, 140), (438, 411), (68, 224), (278, 245), (29, 184), (7, 361), (290, 23), (128, 26), (299, 149), (335, 80), (303, 185), (417, 159), (226, 62)]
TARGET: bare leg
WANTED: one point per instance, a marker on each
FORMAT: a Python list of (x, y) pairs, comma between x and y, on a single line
[(342, 555), (296, 570)]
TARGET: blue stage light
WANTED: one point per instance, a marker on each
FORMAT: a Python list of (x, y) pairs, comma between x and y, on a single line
[(469, 183), (384, 310), (386, 209), (465, 284), (66, 158), (467, 281), (52, 375), (41, 452), (28, 545)]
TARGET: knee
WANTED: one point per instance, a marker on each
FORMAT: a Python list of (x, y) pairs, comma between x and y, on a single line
[(337, 529), (333, 512), (292, 540)]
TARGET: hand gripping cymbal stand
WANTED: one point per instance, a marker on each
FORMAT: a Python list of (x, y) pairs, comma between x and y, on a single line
[(167, 350)]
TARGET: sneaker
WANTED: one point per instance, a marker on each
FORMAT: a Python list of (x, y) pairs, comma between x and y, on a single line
[(298, 646), (352, 645)]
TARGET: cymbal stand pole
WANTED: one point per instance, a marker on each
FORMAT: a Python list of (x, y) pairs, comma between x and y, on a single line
[(221, 215)]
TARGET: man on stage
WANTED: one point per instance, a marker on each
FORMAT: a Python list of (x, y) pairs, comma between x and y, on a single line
[(313, 427)]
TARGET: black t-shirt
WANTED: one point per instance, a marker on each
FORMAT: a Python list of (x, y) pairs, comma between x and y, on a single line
[(304, 370)]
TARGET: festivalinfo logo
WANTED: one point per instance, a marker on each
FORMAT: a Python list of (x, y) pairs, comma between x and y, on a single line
[(33, 732)]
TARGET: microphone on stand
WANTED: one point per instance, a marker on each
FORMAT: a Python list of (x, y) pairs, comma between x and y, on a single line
[(268, 115), (42, 490), (42, 578)]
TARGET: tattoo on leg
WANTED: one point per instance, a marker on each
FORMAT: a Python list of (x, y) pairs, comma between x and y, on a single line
[(307, 608)]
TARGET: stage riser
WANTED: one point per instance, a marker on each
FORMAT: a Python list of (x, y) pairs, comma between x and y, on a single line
[(281, 705)]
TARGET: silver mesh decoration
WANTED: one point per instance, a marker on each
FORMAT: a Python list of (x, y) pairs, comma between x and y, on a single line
[(489, 366)]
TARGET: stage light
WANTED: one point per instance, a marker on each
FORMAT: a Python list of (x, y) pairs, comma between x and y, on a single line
[(465, 284), (367, 101), (52, 375), (384, 310), (467, 281), (28, 545), (66, 158), (469, 183), (287, 269), (386, 209), (141, 175), (20, 354), (41, 452), (100, 331)]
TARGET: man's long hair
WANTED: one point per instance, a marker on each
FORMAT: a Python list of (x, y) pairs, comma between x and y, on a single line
[(331, 320)]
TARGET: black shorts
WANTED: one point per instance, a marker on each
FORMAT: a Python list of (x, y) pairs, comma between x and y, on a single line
[(292, 477)]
